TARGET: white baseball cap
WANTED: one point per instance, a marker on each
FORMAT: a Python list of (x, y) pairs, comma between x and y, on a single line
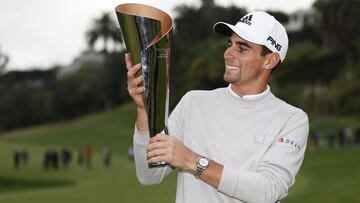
[(260, 28)]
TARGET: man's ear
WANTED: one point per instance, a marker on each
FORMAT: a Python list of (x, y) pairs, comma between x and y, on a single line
[(271, 61)]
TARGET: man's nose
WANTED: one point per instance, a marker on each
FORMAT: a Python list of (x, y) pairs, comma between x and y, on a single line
[(229, 53)]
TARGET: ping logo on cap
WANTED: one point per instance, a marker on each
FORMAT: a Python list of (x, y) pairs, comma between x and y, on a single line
[(274, 43), (246, 19)]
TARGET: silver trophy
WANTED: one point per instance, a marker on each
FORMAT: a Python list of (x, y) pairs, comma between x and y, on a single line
[(147, 35)]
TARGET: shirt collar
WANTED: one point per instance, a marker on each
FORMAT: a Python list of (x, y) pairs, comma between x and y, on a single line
[(250, 96)]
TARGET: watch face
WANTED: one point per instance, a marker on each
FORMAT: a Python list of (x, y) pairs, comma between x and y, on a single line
[(203, 162)]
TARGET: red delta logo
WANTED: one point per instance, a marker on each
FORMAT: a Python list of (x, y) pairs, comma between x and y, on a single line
[(290, 142)]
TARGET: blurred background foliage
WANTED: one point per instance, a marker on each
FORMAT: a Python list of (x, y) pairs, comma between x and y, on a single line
[(321, 73)]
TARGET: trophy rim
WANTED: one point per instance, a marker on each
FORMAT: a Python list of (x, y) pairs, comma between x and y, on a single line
[(147, 11)]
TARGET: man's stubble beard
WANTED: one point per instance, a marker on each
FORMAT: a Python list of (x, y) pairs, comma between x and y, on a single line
[(231, 78)]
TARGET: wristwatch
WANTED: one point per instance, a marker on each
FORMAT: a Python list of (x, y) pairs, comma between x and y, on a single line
[(201, 164)]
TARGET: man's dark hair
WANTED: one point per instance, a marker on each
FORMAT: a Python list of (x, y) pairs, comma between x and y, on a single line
[(265, 51)]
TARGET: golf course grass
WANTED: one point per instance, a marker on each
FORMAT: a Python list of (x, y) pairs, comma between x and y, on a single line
[(327, 175)]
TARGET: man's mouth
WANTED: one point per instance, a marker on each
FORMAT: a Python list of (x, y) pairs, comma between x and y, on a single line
[(228, 67)]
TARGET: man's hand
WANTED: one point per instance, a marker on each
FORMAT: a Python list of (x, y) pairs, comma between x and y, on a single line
[(169, 149), (136, 91), (135, 84)]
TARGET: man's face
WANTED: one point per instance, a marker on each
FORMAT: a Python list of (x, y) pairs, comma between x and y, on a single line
[(243, 62)]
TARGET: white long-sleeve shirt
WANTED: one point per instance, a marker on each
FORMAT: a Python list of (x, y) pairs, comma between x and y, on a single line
[(260, 140)]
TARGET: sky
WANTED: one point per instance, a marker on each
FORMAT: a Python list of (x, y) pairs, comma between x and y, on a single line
[(44, 33)]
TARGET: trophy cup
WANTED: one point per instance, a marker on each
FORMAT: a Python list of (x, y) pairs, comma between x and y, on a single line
[(147, 35)]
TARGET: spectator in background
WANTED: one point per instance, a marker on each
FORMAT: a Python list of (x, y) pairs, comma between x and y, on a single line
[(66, 157), (51, 159), (315, 138), (331, 138), (54, 157), (342, 137), (16, 158), (46, 160), (131, 153), (357, 137), (80, 158), (349, 136), (87, 156), (20, 158), (107, 156), (24, 154)]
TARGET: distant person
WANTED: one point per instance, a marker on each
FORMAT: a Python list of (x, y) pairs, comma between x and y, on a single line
[(51, 159), (331, 138), (24, 155), (46, 160), (131, 153), (315, 138), (80, 158), (54, 158), (87, 156), (107, 156), (17, 158), (357, 137), (349, 136), (66, 157), (342, 137)]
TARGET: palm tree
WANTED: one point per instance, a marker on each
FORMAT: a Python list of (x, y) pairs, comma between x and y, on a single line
[(104, 28)]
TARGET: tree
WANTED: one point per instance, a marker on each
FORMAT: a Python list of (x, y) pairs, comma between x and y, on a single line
[(3, 61), (26, 98), (337, 21), (103, 28), (208, 3)]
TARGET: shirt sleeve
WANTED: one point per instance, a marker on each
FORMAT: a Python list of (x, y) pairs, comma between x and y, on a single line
[(276, 170), (146, 175)]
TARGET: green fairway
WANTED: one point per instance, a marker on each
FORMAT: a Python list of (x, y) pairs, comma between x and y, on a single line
[(327, 175), (76, 184)]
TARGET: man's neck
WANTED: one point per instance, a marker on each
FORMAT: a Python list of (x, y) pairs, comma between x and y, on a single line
[(242, 91)]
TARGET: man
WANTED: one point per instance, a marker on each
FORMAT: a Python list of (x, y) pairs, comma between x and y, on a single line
[(234, 144)]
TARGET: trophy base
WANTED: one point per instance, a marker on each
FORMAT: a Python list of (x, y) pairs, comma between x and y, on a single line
[(158, 164)]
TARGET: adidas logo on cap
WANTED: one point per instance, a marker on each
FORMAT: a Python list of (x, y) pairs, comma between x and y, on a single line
[(246, 19)]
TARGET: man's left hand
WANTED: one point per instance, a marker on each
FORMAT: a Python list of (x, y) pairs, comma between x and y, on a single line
[(169, 149)]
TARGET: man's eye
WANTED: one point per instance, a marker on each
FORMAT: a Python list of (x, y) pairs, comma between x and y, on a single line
[(229, 44), (242, 48)]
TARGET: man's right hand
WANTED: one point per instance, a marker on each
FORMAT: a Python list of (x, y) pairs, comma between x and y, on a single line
[(136, 91), (135, 83)]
